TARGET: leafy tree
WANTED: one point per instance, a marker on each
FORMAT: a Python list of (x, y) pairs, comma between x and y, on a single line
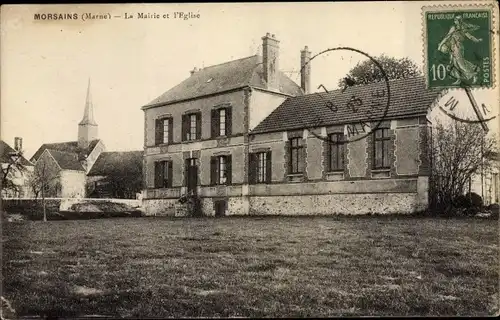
[(368, 72), (458, 152)]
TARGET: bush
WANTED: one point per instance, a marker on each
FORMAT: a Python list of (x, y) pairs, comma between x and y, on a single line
[(470, 201)]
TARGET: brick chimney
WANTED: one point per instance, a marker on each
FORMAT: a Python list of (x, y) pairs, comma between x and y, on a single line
[(270, 59), (305, 70), (194, 70), (18, 143)]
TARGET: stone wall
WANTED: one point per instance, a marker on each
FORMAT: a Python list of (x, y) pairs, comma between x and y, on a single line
[(350, 204)]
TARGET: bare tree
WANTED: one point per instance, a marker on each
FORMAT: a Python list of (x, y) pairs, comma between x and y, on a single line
[(44, 182), (10, 169), (458, 152)]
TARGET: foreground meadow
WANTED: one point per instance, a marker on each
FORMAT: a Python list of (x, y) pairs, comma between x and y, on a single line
[(252, 267)]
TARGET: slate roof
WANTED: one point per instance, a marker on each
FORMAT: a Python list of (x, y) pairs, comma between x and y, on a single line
[(408, 97), (70, 146), (66, 160), (226, 76), (125, 162), (6, 150)]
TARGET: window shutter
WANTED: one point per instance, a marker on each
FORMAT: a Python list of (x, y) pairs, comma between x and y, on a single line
[(229, 121), (185, 126), (158, 131), (268, 166), (169, 173), (198, 125), (214, 123), (170, 130), (213, 170), (302, 158), (288, 151), (229, 169), (157, 175), (252, 168)]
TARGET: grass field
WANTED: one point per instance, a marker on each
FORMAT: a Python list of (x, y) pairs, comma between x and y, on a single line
[(252, 267)]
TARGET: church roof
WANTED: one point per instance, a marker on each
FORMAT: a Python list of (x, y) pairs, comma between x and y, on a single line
[(224, 77), (118, 162), (408, 97), (66, 160), (6, 151), (70, 146)]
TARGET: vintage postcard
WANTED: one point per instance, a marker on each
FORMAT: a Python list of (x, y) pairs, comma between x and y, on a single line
[(250, 159)]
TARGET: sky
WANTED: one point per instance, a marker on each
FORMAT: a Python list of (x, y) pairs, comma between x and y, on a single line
[(46, 65)]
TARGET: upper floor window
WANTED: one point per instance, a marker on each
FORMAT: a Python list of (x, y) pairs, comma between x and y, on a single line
[(163, 174), (221, 122), (221, 170), (163, 131), (381, 149), (336, 147), (260, 167), (296, 160), (191, 126)]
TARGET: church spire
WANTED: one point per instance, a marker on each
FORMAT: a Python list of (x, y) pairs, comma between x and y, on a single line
[(87, 128), (88, 113)]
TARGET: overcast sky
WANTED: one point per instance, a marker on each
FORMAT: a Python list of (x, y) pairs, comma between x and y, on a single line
[(45, 65)]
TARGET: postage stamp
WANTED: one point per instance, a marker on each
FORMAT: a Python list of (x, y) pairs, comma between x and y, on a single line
[(458, 46)]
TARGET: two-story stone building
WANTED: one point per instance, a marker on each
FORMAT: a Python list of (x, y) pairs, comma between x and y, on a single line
[(245, 138), (196, 134)]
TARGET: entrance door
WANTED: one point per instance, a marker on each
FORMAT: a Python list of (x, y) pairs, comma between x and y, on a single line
[(191, 175)]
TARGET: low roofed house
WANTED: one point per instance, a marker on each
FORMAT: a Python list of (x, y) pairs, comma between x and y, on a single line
[(63, 172), (16, 170), (116, 175), (350, 160)]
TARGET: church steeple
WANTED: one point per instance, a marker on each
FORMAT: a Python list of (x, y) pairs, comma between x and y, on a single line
[(87, 128)]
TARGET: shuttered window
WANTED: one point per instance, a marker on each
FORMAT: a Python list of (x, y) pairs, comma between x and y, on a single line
[(220, 170), (221, 122), (191, 126), (163, 131), (163, 174), (260, 167)]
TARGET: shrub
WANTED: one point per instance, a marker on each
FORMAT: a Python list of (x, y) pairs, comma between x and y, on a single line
[(475, 200), (469, 200)]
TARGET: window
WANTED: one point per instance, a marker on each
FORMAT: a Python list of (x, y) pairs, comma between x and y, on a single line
[(221, 122), (260, 167), (191, 127), (163, 174), (220, 170), (163, 131), (336, 145), (381, 149), (296, 156)]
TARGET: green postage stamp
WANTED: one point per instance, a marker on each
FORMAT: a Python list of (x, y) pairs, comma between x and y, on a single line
[(458, 47)]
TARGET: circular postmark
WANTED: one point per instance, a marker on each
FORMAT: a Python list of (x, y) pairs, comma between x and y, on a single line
[(456, 106), (360, 111)]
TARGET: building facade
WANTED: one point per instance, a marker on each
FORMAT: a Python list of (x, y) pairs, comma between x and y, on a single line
[(245, 138)]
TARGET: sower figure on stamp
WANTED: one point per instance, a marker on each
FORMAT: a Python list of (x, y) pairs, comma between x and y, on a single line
[(453, 43)]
